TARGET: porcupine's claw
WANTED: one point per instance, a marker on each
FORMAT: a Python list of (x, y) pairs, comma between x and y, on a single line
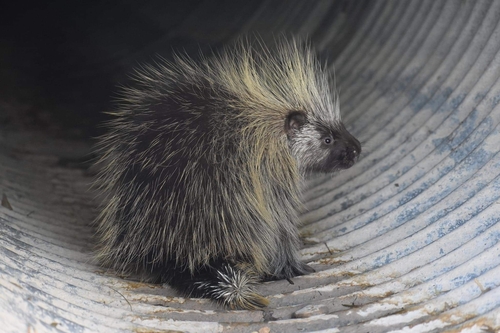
[(304, 269), (287, 264), (292, 270)]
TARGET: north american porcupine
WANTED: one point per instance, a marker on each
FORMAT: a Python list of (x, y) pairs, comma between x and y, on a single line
[(203, 163)]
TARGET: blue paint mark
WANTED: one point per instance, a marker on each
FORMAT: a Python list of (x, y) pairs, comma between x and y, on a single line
[(408, 214), (453, 103), (495, 100), (383, 260), (410, 195), (477, 159), (460, 280), (392, 177), (479, 97), (494, 235), (453, 143), (406, 168), (443, 230), (418, 102), (438, 143), (465, 128), (433, 103), (373, 217)]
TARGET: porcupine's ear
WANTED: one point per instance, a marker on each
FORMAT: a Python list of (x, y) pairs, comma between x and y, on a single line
[(294, 121)]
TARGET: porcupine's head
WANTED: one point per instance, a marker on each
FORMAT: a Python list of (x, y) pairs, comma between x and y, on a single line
[(317, 138), (284, 92), (320, 145)]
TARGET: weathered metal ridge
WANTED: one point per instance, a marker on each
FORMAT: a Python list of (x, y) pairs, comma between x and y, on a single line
[(405, 241)]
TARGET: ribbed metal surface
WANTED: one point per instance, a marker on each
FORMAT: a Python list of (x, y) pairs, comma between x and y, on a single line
[(405, 241)]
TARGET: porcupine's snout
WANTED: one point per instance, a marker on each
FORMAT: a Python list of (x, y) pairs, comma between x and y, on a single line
[(348, 154), (348, 148)]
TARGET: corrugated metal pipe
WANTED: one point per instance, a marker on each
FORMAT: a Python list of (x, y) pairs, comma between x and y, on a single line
[(407, 240)]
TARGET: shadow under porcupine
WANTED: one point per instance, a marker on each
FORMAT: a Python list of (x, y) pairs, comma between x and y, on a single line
[(202, 169)]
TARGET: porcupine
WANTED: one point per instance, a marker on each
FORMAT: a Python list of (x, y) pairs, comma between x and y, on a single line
[(203, 163)]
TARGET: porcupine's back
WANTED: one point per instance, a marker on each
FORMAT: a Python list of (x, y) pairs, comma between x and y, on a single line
[(196, 161)]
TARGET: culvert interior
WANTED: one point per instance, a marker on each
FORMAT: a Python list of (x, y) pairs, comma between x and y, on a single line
[(407, 240)]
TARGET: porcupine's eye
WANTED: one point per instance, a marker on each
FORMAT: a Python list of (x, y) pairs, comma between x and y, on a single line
[(328, 140)]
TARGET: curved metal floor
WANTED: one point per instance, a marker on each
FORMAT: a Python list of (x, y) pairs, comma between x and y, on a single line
[(405, 241)]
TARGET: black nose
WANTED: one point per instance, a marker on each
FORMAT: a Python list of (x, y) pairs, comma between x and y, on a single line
[(350, 148), (347, 146), (351, 145), (348, 157), (351, 153)]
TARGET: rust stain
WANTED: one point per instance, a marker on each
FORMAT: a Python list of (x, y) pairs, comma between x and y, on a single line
[(455, 317), (481, 287), (331, 261), (484, 324), (136, 285), (15, 284), (148, 330)]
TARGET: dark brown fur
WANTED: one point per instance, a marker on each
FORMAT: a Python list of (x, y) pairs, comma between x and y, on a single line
[(203, 164)]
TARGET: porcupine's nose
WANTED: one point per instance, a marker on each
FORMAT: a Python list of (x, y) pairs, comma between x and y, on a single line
[(351, 148), (351, 153), (348, 155)]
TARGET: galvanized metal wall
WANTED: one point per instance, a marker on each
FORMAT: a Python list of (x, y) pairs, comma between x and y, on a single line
[(405, 241)]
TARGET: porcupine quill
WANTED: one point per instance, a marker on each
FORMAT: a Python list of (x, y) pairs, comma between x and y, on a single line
[(202, 165)]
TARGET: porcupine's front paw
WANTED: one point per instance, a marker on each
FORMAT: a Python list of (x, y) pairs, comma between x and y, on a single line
[(296, 269), (286, 263), (291, 270)]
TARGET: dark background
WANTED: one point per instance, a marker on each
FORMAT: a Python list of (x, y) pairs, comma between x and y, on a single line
[(60, 61)]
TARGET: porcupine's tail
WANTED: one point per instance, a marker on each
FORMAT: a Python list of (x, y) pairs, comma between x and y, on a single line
[(221, 281)]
